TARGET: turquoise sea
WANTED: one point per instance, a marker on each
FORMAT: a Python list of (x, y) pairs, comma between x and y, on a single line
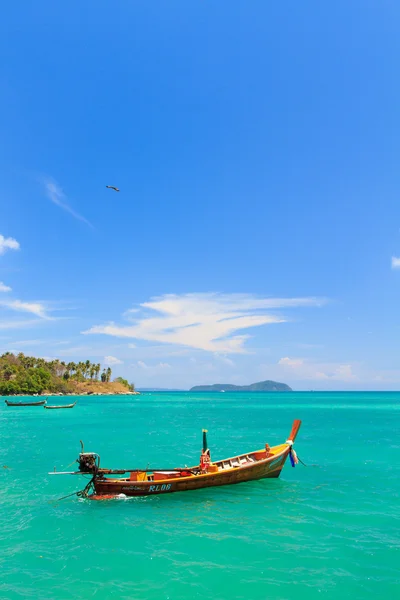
[(329, 530)]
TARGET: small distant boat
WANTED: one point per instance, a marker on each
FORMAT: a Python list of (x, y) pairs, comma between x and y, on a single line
[(259, 464), (38, 403), (49, 407)]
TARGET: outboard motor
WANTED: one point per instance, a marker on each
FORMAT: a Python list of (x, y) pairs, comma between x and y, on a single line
[(89, 462)]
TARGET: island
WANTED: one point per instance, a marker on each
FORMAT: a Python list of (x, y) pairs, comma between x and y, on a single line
[(261, 386), (22, 375)]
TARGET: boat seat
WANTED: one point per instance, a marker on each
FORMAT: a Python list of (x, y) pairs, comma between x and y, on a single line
[(243, 460), (251, 459), (235, 462)]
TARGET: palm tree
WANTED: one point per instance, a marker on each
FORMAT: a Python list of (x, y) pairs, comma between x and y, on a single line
[(103, 376), (87, 367), (97, 368), (108, 374), (92, 371), (29, 362)]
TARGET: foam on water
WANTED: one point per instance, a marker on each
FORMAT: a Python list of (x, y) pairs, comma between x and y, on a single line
[(331, 531)]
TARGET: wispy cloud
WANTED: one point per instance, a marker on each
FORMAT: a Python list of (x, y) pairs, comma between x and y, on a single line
[(4, 288), (35, 308), (111, 361), (56, 195), (224, 359), (395, 262), (161, 366), (8, 244), (21, 343), (308, 369), (206, 321), (19, 324)]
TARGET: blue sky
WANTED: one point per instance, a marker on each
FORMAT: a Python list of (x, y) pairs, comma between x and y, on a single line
[(257, 228)]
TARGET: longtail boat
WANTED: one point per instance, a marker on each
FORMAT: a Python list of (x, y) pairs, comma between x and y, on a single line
[(110, 483), (53, 407), (38, 403)]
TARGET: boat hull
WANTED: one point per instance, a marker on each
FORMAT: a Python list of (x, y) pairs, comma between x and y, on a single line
[(41, 403), (269, 468), (59, 407)]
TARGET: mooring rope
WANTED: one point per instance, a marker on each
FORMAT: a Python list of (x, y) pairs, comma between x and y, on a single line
[(294, 459)]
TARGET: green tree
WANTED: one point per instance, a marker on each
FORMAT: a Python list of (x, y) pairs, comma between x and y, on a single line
[(122, 381), (8, 372), (104, 376), (9, 388)]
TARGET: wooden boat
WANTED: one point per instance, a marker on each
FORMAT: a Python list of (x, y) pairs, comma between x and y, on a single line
[(110, 483), (38, 403), (53, 407)]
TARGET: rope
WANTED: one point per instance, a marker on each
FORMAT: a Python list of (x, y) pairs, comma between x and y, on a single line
[(304, 464), (70, 464), (84, 492), (68, 496), (81, 494)]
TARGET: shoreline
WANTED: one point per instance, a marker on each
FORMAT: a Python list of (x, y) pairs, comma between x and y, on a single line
[(60, 394)]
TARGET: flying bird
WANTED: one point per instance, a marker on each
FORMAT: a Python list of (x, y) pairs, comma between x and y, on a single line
[(112, 187)]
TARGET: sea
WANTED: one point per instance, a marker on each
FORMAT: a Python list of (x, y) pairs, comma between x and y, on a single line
[(327, 530)]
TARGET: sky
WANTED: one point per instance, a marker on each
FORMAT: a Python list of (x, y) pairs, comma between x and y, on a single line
[(256, 234)]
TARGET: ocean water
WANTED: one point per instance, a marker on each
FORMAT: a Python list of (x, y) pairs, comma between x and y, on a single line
[(329, 530)]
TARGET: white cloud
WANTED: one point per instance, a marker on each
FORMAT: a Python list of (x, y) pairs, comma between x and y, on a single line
[(112, 360), (206, 321), (161, 366), (36, 308), (291, 362), (395, 262), (4, 288), (8, 244), (308, 369), (57, 196)]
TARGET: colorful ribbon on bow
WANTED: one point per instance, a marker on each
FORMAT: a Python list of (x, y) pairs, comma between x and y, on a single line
[(293, 457)]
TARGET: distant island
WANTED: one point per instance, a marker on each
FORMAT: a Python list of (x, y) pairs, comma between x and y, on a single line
[(28, 375), (261, 386)]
